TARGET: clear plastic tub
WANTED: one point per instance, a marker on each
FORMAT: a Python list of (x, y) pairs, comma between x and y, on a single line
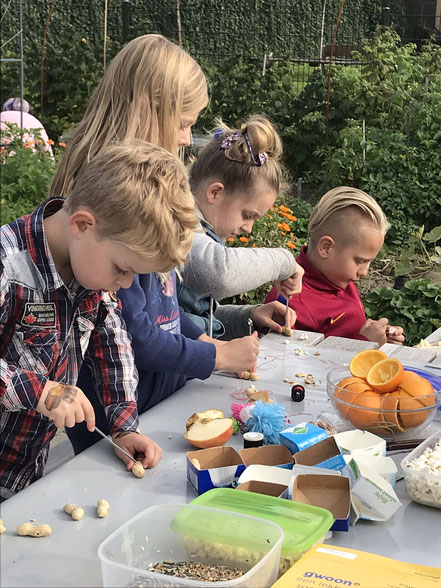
[(423, 486), (304, 525), (181, 532)]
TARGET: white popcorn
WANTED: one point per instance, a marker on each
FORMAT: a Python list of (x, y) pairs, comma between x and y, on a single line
[(423, 476)]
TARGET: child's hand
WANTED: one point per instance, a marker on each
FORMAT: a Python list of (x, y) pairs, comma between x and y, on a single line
[(238, 355), (395, 335), (292, 285), (375, 330), (141, 447), (65, 405), (272, 315)]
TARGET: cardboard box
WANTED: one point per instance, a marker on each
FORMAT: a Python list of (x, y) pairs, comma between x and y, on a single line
[(277, 490), (264, 473), (385, 466), (325, 454), (301, 436), (216, 467), (372, 497), (358, 442), (301, 469), (330, 492), (273, 455), (330, 565)]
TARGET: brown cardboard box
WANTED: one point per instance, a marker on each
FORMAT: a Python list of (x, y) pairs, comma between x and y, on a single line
[(325, 454), (277, 455), (268, 488), (213, 468), (330, 492)]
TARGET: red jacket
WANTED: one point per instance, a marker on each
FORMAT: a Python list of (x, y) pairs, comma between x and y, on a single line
[(322, 306)]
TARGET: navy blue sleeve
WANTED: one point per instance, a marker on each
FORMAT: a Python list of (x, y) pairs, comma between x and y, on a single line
[(158, 350), (188, 327)]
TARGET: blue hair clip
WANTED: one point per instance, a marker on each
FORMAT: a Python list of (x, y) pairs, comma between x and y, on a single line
[(261, 157), (218, 133)]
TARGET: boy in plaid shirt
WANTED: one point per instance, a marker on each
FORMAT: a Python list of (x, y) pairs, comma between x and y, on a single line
[(131, 211)]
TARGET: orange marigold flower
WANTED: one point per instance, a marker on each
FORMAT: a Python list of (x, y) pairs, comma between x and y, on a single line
[(62, 144), (290, 245), (284, 208), (253, 245), (231, 239), (291, 217), (286, 227), (50, 141), (279, 225), (282, 233), (244, 239)]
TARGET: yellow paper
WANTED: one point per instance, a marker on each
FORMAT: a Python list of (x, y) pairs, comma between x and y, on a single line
[(328, 566)]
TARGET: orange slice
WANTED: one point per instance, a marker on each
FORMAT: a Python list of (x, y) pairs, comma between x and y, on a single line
[(363, 361), (385, 375)]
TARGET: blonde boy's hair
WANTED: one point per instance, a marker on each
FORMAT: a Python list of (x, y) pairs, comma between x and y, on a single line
[(340, 212), (145, 92), (234, 166), (140, 197)]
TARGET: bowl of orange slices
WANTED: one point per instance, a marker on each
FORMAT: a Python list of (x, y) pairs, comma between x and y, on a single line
[(379, 394)]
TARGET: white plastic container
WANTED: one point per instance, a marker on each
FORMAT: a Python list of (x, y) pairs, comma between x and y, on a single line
[(182, 532), (422, 485)]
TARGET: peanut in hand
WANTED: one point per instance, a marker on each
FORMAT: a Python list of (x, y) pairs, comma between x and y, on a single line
[(102, 507), (2, 527), (76, 512), (28, 529), (138, 470)]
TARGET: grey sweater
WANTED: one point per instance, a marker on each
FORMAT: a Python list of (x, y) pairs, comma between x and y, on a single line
[(220, 272)]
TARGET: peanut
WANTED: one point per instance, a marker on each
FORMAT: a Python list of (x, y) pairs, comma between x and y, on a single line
[(102, 506), (254, 377), (74, 511), (2, 527), (138, 470), (287, 331), (33, 530)]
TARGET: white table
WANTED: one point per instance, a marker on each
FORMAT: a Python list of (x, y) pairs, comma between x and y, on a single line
[(69, 556)]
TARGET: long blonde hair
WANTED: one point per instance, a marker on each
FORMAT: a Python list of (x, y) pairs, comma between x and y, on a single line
[(140, 197), (144, 93)]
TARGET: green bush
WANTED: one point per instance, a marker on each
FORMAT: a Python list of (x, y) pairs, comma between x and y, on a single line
[(26, 174), (397, 93), (415, 307)]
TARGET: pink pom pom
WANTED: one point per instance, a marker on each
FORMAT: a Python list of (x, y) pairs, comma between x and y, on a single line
[(235, 410)]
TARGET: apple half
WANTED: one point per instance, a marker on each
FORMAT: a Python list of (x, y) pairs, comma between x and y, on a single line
[(210, 432), (211, 413)]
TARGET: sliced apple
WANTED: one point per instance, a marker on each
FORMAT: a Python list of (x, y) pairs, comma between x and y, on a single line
[(210, 432), (211, 413)]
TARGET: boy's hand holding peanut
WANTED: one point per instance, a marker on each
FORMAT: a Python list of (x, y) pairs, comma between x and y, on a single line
[(395, 335), (375, 330), (146, 451), (65, 405)]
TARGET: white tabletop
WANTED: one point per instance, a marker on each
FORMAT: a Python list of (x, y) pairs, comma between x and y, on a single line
[(69, 556)]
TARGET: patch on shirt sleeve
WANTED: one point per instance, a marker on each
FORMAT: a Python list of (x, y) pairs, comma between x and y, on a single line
[(39, 314)]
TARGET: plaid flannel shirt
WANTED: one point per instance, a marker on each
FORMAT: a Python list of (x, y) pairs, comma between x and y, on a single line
[(46, 331)]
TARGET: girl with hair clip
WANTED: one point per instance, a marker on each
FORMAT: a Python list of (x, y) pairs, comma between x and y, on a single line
[(152, 90), (235, 179)]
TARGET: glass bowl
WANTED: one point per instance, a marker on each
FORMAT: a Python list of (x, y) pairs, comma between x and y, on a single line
[(386, 415)]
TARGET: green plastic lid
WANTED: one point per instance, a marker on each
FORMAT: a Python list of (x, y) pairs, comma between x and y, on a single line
[(303, 524)]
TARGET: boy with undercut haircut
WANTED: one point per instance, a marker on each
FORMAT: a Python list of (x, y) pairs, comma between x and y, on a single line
[(346, 232), (131, 211)]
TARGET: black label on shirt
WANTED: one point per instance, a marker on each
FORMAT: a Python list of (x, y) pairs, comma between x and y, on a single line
[(39, 314)]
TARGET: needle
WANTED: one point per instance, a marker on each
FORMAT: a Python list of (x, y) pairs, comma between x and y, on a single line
[(286, 313), (210, 328), (250, 326), (107, 438)]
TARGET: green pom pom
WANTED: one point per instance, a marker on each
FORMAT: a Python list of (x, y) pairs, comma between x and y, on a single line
[(236, 427)]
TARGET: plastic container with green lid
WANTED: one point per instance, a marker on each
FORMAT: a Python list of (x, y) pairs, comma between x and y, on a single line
[(304, 525)]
